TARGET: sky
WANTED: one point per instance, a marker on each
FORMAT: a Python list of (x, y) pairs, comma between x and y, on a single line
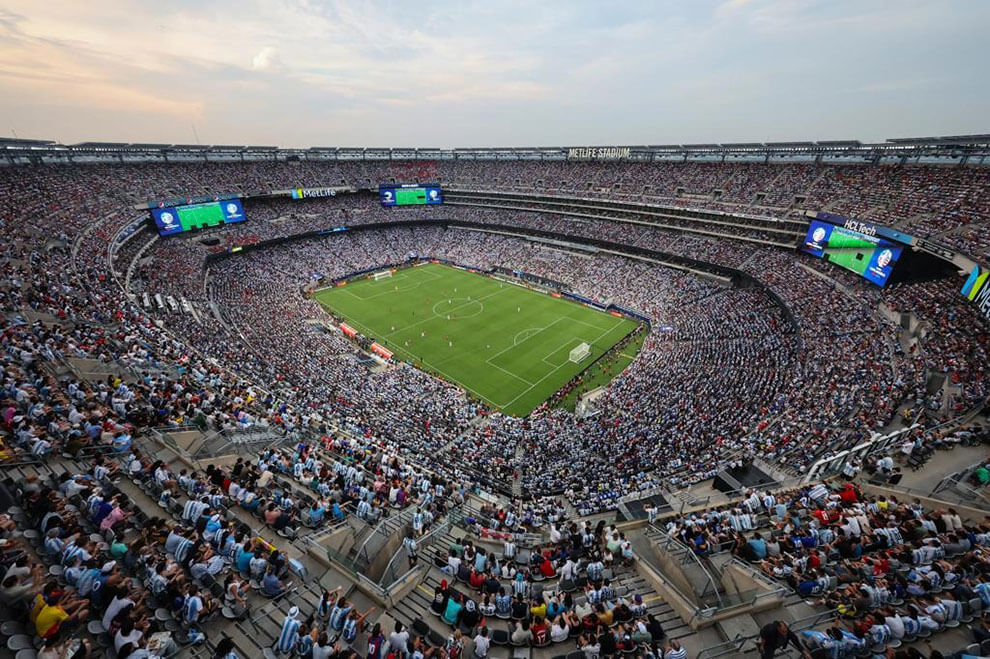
[(460, 73)]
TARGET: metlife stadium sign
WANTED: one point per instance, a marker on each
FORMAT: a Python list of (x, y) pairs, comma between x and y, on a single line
[(977, 290), (312, 193), (598, 153)]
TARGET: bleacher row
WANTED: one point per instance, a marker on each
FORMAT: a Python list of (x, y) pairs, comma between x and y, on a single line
[(881, 587), (170, 615), (510, 605)]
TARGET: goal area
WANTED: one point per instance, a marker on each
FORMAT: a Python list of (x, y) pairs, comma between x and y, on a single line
[(384, 274), (580, 353)]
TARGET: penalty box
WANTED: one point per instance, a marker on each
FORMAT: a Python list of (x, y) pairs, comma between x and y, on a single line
[(538, 352)]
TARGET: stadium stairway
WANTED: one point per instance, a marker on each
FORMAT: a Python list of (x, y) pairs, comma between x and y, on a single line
[(704, 583), (416, 606), (627, 581)]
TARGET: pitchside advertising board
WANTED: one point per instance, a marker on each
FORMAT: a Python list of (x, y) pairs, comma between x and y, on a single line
[(977, 290), (857, 248), (171, 220), (410, 194)]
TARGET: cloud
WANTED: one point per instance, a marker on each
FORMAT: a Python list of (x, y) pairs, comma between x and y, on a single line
[(267, 60), (301, 72)]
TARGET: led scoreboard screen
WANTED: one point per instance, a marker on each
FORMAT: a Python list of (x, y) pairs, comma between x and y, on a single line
[(410, 194), (867, 255), (177, 219)]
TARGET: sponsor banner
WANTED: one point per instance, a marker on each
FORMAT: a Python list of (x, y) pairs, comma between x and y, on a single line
[(598, 153), (616, 314), (977, 290), (312, 193), (381, 351), (866, 228), (348, 330), (581, 299)]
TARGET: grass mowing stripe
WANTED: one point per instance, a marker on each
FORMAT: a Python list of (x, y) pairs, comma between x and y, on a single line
[(501, 342)]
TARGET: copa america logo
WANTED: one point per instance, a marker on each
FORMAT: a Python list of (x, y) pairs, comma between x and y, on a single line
[(167, 218), (885, 257), (232, 208), (818, 235)]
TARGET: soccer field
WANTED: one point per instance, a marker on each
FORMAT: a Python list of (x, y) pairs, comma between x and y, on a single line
[(505, 344)]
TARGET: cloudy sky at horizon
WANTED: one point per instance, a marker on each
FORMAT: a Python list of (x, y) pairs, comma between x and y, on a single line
[(500, 73)]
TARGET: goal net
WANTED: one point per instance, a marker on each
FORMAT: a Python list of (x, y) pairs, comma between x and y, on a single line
[(580, 353), (385, 274)]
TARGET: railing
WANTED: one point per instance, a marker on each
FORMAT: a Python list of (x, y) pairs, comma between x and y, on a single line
[(525, 540), (832, 465), (686, 499), (753, 595), (698, 611), (826, 467), (346, 564), (958, 481), (393, 574), (734, 647), (688, 557), (379, 535), (248, 437)]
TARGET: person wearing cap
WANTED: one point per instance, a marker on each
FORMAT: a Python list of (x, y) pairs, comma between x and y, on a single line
[(289, 636), (638, 609)]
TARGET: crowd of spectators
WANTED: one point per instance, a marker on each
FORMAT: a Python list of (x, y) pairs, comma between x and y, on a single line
[(253, 354), (893, 571)]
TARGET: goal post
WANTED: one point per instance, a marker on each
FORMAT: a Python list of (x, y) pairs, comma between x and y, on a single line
[(580, 353), (384, 274)]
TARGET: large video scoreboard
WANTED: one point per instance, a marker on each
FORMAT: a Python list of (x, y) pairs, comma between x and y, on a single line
[(863, 252), (409, 194), (177, 219)]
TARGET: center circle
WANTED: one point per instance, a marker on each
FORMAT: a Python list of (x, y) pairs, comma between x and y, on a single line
[(458, 307)]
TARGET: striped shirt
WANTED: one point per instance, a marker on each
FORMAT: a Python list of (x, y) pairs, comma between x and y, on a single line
[(54, 545), (183, 549), (87, 582), (289, 636), (192, 608), (338, 615), (350, 629)]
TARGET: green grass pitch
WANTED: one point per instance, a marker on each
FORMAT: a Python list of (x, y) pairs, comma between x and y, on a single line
[(507, 345)]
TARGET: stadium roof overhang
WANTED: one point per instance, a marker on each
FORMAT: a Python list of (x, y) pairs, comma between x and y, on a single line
[(938, 149)]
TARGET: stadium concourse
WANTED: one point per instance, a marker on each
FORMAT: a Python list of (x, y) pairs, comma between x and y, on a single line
[(218, 474)]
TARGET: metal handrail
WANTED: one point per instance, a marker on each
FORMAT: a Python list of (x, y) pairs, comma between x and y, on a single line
[(879, 443), (698, 610), (734, 646), (383, 529), (686, 551), (427, 540)]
